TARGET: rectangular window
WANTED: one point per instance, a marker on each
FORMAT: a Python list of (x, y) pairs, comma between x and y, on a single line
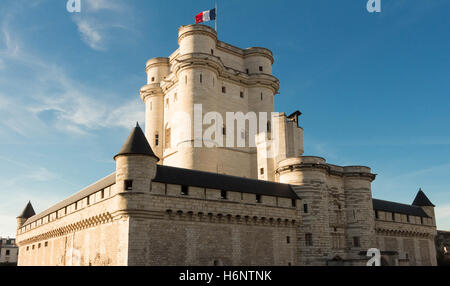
[(32, 247), (258, 199), (184, 190), (28, 248), (102, 194), (241, 94), (7, 252), (356, 241), (39, 245), (393, 216), (224, 130), (153, 79), (46, 244), (88, 201), (294, 203), (175, 97), (260, 68), (156, 140), (224, 89), (305, 208), (377, 216), (262, 96), (407, 218), (201, 78), (212, 52), (308, 239), (128, 185), (247, 71), (288, 239), (261, 171), (223, 195), (421, 220)]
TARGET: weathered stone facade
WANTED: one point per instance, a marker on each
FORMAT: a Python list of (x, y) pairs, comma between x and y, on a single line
[(159, 209)]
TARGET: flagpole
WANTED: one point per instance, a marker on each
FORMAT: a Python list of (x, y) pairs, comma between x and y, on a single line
[(215, 22)]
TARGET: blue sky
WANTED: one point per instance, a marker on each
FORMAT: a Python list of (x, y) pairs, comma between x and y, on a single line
[(373, 88)]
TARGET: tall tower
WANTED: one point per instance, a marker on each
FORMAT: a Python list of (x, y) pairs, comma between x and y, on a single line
[(197, 85)]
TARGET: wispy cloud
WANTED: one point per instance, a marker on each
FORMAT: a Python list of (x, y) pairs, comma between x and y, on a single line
[(49, 98), (98, 18)]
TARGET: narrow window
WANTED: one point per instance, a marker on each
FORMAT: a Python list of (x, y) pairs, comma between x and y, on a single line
[(214, 82), (28, 248), (260, 68), (46, 244), (294, 203), (102, 194), (247, 71), (167, 103), (153, 79), (156, 140), (224, 130), (407, 218), (305, 208), (175, 97), (76, 205), (223, 195), (184, 190), (168, 138), (212, 52), (269, 126), (88, 201), (356, 241), (261, 96), (393, 216), (258, 199), (242, 94), (39, 245), (201, 78), (308, 239), (421, 220), (288, 239), (128, 185), (151, 105), (32, 247), (65, 210), (377, 216), (224, 89), (261, 171)]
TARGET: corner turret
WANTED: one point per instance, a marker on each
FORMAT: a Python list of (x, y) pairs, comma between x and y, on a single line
[(26, 214), (135, 167), (424, 202)]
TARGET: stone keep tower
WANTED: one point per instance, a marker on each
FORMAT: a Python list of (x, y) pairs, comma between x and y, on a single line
[(213, 77)]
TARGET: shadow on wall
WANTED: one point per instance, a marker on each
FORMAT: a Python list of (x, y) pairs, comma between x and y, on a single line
[(443, 259), (8, 264)]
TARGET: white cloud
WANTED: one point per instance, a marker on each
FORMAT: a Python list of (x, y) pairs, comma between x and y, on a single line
[(98, 5), (90, 34), (443, 217)]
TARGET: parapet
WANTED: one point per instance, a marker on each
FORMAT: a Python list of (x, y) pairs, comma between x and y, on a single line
[(184, 31), (259, 51), (156, 62)]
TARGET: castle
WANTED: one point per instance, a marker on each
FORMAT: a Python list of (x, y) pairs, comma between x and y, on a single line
[(177, 198)]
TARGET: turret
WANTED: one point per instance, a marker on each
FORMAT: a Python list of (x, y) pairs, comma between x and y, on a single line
[(26, 214), (424, 202), (135, 166)]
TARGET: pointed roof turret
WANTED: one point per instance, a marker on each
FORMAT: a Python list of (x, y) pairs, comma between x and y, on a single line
[(27, 212), (136, 144), (422, 200)]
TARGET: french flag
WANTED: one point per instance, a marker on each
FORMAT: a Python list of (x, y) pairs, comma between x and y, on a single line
[(206, 16)]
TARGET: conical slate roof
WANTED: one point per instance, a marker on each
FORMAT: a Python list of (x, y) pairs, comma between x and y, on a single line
[(27, 212), (422, 200), (136, 144)]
